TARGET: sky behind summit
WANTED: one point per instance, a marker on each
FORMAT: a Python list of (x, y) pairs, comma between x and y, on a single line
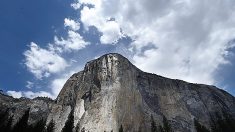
[(44, 42)]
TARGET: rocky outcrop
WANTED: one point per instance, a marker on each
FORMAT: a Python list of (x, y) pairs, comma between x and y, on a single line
[(39, 107), (111, 92)]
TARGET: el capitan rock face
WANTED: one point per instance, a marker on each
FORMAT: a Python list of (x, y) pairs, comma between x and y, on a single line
[(111, 92)]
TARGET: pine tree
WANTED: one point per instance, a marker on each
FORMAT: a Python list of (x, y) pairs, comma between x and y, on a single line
[(5, 121), (229, 122), (121, 129), (69, 125), (199, 127), (166, 125), (22, 124), (161, 129), (77, 127), (8, 125), (50, 126), (3, 118), (153, 125), (83, 129), (39, 126), (139, 130), (224, 123)]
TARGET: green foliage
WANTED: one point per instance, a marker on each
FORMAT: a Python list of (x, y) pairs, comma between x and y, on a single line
[(7, 126), (5, 121), (51, 126), (69, 125), (38, 127), (165, 128), (22, 124), (139, 130), (219, 123), (161, 129), (3, 118), (166, 125), (199, 127), (153, 125), (121, 129), (223, 123)]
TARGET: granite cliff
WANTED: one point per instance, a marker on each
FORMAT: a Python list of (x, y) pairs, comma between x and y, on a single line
[(111, 93)]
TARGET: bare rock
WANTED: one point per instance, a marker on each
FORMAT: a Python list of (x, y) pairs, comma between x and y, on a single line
[(111, 92)]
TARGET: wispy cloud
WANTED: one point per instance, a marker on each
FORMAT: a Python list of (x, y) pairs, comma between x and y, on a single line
[(15, 94), (189, 38), (53, 89), (110, 29), (73, 42), (57, 83), (183, 39), (29, 84), (42, 62), (76, 5), (71, 24), (29, 94)]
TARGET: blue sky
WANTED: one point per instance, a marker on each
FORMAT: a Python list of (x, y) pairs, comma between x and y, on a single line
[(44, 42)]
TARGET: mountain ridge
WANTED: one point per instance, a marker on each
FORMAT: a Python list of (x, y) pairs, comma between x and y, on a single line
[(111, 92)]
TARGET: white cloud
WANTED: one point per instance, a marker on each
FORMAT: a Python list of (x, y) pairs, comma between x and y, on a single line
[(71, 24), (15, 94), (29, 94), (58, 83), (111, 32), (182, 39), (29, 84), (190, 38), (53, 90), (76, 5), (42, 62), (90, 2), (73, 42), (53, 60)]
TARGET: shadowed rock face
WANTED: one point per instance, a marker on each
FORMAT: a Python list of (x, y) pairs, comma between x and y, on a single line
[(111, 92), (39, 107)]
